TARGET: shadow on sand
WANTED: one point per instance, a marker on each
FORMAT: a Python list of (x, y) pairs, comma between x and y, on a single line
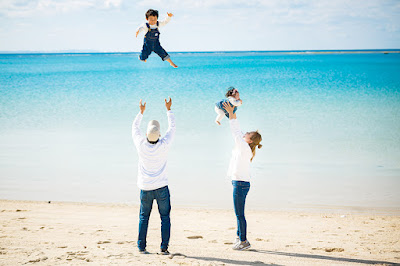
[(322, 257), (229, 261), (287, 254)]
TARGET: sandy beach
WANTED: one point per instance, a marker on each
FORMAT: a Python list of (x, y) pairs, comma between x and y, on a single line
[(59, 233)]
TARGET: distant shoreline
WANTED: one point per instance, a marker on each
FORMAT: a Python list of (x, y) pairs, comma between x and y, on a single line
[(306, 208), (385, 51)]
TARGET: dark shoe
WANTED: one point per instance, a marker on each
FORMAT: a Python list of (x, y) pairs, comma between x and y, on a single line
[(143, 251), (164, 251)]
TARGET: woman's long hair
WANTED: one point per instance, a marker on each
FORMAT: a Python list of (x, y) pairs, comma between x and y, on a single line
[(256, 138)]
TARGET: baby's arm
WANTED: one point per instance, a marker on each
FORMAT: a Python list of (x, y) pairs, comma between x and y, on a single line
[(165, 21), (235, 102)]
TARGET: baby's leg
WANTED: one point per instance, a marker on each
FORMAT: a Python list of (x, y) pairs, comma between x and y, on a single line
[(164, 55), (144, 54), (220, 115)]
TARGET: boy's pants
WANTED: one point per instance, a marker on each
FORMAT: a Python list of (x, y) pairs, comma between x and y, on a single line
[(153, 46)]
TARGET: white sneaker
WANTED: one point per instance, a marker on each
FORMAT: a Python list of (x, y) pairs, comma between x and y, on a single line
[(242, 245)]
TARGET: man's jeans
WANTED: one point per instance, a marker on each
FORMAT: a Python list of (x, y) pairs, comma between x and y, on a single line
[(240, 190), (162, 197)]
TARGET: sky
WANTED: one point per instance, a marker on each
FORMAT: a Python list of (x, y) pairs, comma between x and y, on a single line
[(200, 25)]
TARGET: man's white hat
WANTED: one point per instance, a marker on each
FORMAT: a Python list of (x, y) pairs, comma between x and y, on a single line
[(153, 130)]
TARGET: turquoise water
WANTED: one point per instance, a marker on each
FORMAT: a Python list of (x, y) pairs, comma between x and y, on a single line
[(330, 125)]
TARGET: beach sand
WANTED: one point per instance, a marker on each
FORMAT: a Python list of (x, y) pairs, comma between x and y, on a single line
[(56, 233)]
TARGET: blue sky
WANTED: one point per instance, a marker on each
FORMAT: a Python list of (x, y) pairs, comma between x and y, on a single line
[(200, 25)]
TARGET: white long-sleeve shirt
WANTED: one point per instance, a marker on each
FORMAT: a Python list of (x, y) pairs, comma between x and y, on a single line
[(143, 27), (239, 166), (152, 165)]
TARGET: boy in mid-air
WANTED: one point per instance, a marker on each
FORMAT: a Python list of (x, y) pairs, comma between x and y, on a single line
[(152, 36)]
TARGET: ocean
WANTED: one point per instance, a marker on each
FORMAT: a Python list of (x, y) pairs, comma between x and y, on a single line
[(330, 125)]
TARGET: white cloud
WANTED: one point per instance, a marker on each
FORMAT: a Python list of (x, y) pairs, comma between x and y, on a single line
[(230, 24), (198, 4), (25, 8), (112, 3), (15, 8), (284, 12)]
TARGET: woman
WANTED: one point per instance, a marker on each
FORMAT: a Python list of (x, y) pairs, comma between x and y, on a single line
[(239, 170)]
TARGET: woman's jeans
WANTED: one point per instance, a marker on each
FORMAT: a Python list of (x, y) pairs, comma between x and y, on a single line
[(240, 190), (162, 196)]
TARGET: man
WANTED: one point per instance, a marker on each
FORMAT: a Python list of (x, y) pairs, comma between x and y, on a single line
[(152, 174)]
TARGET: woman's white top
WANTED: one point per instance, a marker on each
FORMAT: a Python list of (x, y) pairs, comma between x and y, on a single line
[(239, 166)]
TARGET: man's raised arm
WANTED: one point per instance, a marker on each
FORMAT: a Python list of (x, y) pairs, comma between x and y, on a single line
[(169, 136), (136, 134)]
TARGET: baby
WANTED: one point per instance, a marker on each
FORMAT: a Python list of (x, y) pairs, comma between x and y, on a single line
[(233, 98), (152, 35)]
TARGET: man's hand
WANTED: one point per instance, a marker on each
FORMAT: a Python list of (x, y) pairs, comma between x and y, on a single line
[(170, 14), (229, 109), (168, 104), (142, 106)]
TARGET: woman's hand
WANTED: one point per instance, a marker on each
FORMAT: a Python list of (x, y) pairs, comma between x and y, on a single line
[(229, 108)]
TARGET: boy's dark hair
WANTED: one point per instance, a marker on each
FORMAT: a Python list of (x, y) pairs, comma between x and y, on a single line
[(151, 12), (229, 92)]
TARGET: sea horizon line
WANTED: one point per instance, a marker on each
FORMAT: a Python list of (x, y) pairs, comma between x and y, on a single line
[(346, 51)]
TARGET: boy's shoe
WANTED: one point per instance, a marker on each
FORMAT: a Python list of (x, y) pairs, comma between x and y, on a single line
[(143, 251), (237, 241), (242, 245), (164, 251)]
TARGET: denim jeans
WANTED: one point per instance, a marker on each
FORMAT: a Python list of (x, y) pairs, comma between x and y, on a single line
[(240, 190), (162, 196), (151, 46)]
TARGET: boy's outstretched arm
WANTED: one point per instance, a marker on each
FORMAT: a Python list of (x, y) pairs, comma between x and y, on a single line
[(141, 28), (166, 20)]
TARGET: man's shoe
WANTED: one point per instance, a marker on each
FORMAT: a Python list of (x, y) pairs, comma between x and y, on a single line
[(242, 245), (143, 251), (164, 251)]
